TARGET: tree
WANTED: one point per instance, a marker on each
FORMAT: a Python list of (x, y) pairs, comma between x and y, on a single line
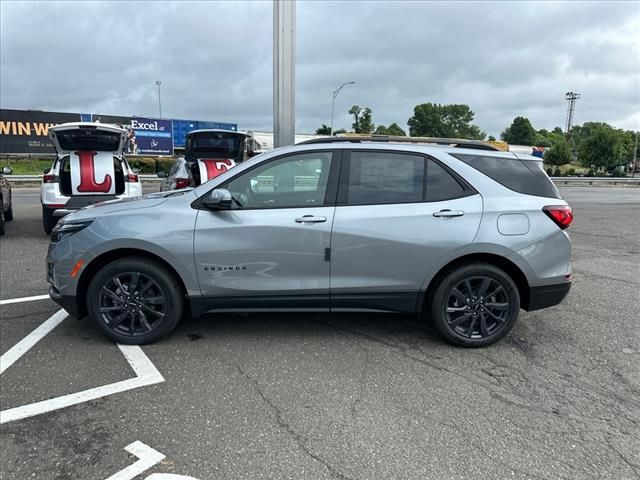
[(363, 122), (521, 132), (491, 138), (393, 129), (323, 130), (559, 153), (436, 120), (600, 146)]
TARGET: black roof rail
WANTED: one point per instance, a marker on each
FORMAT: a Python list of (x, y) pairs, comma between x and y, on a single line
[(449, 142)]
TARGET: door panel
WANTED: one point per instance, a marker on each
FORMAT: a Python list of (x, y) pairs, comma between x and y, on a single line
[(269, 250), (389, 248), (385, 235)]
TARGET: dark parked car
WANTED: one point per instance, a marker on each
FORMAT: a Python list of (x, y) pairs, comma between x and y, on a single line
[(207, 154), (6, 207)]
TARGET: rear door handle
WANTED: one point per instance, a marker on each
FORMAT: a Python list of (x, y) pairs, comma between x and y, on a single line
[(446, 213), (310, 219)]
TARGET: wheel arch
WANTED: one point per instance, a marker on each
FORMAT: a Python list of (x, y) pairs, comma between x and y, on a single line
[(510, 268), (107, 257)]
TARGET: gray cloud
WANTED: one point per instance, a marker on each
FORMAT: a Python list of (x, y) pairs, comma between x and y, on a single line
[(214, 59)]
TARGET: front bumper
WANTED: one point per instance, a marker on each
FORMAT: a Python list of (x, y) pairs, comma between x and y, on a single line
[(547, 295), (68, 302)]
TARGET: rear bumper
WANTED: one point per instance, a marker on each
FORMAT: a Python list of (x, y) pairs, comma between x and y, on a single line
[(547, 295), (68, 302)]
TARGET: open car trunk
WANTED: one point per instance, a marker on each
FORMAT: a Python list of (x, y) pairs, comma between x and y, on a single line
[(91, 162), (212, 152)]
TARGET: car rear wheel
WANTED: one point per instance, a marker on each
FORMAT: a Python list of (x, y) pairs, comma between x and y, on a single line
[(8, 215), (135, 301), (48, 220), (475, 305), (2, 218)]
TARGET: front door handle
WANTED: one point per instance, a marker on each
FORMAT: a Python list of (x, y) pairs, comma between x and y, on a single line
[(448, 213), (310, 219)]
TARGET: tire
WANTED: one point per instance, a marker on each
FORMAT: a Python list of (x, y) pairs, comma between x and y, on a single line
[(8, 215), (127, 318), (2, 218), (472, 322), (48, 220)]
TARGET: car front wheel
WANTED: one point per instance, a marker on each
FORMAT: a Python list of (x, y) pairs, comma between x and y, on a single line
[(135, 301), (475, 305)]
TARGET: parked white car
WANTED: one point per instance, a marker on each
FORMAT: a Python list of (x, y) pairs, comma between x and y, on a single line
[(89, 168)]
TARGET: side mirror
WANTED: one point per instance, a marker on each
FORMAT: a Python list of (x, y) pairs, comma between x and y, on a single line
[(7, 170), (218, 199), (46, 170), (162, 175)]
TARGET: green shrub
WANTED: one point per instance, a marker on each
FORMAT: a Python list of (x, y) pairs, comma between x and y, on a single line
[(549, 172), (557, 172), (571, 172)]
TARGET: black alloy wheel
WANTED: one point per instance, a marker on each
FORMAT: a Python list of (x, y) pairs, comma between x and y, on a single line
[(132, 303), (475, 305), (135, 300)]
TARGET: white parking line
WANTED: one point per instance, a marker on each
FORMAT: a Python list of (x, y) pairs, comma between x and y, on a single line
[(148, 457), (146, 374), (23, 346), (9, 301)]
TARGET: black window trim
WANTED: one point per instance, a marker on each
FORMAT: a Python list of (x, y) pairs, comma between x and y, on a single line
[(343, 184), (332, 181)]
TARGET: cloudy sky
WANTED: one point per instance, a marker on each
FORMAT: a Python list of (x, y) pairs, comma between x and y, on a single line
[(215, 59)]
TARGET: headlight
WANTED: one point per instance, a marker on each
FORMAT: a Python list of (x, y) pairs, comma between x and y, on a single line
[(63, 230)]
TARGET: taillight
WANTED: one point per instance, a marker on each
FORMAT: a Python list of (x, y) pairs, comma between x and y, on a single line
[(49, 178), (560, 214), (182, 182), (132, 177)]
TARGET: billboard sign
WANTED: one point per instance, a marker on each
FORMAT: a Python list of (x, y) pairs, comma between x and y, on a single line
[(25, 131), (150, 137)]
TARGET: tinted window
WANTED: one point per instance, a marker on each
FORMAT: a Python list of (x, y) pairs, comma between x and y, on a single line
[(441, 185), (517, 175), (88, 139), (294, 181), (225, 145), (376, 178)]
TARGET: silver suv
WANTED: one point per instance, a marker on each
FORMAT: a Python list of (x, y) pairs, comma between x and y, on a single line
[(465, 236)]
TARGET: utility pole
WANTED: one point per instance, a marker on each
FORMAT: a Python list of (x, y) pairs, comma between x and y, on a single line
[(284, 87), (635, 156), (333, 101), (570, 97), (158, 83)]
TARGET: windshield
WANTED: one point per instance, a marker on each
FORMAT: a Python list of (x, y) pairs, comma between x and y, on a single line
[(225, 145), (98, 140)]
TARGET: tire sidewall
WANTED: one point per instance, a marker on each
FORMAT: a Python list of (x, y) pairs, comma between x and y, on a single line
[(455, 277), (165, 280)]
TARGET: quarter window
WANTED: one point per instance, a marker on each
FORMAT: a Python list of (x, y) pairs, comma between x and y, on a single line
[(289, 182), (378, 178), (441, 185)]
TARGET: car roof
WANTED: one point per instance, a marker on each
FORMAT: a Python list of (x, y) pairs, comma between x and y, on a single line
[(215, 130), (422, 148)]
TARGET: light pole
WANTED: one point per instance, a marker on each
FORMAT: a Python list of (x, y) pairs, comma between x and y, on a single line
[(333, 101), (158, 83)]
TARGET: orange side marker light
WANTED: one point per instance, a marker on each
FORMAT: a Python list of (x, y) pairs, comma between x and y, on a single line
[(76, 268)]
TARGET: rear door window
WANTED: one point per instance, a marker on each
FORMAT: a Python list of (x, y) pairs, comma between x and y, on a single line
[(383, 177), (522, 176)]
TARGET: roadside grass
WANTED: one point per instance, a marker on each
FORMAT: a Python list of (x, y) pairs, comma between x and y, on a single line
[(28, 166), (35, 166)]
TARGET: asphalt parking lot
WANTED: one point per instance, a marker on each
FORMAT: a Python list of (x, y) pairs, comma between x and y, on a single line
[(331, 396)]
